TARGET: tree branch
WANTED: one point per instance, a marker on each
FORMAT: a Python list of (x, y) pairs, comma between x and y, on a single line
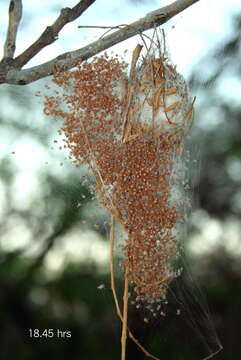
[(67, 60), (50, 34), (15, 14)]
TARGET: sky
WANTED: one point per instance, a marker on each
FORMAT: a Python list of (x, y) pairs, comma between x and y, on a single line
[(190, 35)]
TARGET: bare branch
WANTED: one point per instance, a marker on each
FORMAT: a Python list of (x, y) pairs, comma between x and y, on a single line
[(69, 59), (15, 14), (50, 34)]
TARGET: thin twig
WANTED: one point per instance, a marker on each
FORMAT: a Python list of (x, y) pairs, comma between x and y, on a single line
[(112, 277), (101, 27), (125, 316), (126, 118), (213, 354), (67, 60), (15, 15)]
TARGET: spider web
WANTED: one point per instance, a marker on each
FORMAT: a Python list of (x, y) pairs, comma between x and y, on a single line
[(181, 326)]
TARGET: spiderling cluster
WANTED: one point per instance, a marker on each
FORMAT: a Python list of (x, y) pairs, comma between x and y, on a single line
[(130, 130)]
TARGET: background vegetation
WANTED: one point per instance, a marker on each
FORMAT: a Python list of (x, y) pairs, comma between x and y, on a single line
[(34, 221)]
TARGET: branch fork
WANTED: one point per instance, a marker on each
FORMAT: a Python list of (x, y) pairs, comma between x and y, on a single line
[(11, 69)]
